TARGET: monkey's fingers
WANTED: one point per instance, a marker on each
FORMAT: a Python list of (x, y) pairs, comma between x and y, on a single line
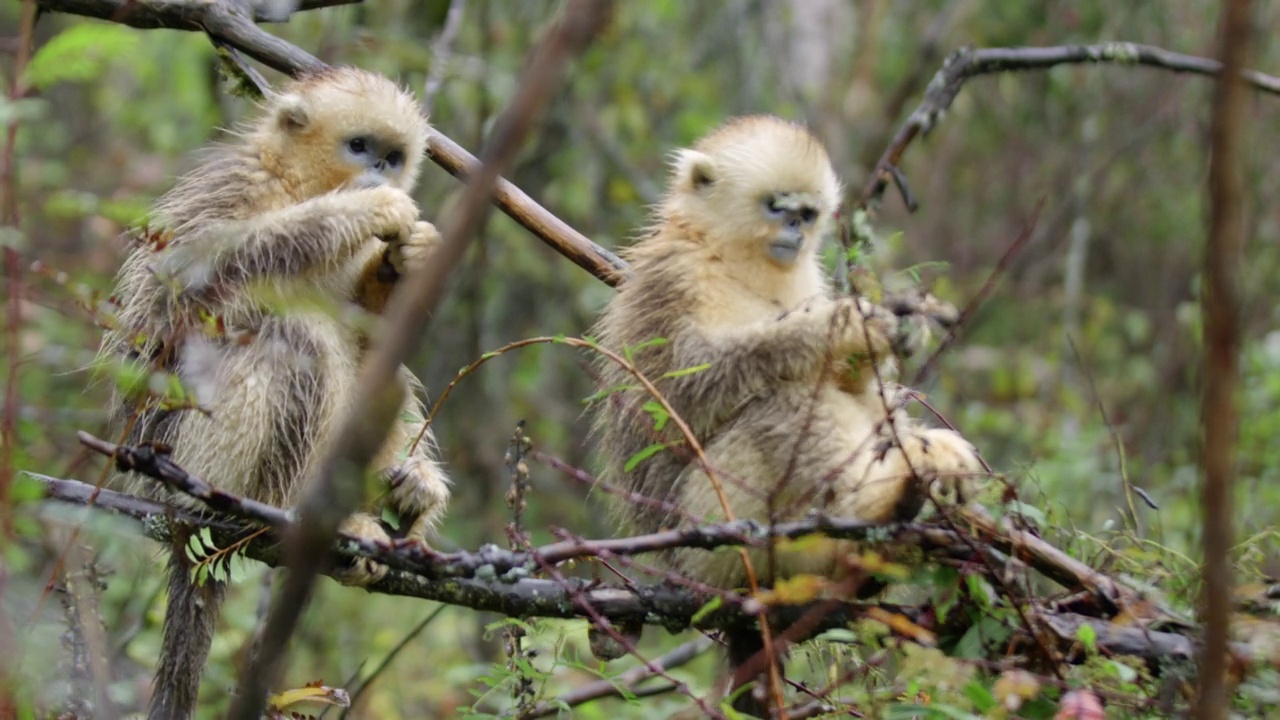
[(413, 252), (419, 493), (363, 571)]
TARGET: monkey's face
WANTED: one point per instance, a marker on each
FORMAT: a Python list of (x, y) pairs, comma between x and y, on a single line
[(348, 128), (758, 188)]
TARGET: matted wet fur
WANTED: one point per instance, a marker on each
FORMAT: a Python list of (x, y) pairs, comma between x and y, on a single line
[(728, 278), (248, 286)]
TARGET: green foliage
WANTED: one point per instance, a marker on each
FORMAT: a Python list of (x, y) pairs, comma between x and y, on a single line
[(81, 53)]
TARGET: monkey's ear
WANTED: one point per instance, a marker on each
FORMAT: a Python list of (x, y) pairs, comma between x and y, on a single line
[(694, 170), (292, 112)]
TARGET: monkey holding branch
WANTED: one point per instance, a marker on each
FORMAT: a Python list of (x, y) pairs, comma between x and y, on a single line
[(251, 294), (726, 307)]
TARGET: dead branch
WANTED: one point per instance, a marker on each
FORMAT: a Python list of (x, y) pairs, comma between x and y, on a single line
[(674, 608), (230, 22), (626, 681), (968, 62)]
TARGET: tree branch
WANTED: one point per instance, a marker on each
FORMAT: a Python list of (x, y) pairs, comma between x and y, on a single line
[(967, 63), (672, 607)]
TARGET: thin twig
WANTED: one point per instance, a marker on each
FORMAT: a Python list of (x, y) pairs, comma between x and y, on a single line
[(391, 656), (967, 63), (623, 683)]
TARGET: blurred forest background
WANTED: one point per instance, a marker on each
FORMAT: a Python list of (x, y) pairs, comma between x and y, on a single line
[(1098, 311)]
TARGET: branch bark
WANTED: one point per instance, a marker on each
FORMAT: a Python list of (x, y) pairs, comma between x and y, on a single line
[(674, 608)]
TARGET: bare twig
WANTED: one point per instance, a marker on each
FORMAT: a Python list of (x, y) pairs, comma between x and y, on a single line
[(156, 464), (230, 22), (624, 682), (513, 201), (332, 496), (967, 63), (966, 315), (440, 51), (1220, 298)]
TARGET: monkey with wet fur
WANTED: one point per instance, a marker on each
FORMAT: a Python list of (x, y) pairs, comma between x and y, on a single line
[(756, 356), (268, 248)]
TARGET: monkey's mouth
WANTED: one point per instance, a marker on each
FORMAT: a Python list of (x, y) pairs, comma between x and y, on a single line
[(785, 248)]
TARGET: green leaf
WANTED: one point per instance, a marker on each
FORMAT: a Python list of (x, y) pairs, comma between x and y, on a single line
[(981, 696), (629, 353), (206, 536), (658, 413), (686, 371), (643, 455), (80, 53), (707, 609), (1087, 637), (194, 550), (609, 391)]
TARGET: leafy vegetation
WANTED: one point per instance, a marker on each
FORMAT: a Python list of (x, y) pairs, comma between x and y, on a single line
[(1078, 378)]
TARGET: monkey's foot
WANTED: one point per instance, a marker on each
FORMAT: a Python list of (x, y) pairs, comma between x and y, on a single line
[(362, 571), (409, 254), (419, 494), (941, 461)]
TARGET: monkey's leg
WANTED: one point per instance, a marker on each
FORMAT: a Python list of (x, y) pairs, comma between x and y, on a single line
[(419, 487), (227, 448)]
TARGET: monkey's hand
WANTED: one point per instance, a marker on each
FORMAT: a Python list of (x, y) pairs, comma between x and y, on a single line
[(407, 254), (860, 327), (419, 494), (362, 571), (941, 462), (394, 215)]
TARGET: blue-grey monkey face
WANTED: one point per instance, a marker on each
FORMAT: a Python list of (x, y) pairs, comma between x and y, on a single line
[(377, 161), (794, 214)]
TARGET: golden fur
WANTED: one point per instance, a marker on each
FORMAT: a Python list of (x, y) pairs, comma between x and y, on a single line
[(267, 247), (784, 426)]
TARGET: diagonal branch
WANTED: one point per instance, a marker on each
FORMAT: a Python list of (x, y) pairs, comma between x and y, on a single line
[(229, 24)]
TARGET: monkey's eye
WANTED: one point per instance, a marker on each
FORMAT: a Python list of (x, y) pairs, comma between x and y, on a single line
[(808, 215), (771, 203), (394, 158), (357, 145)]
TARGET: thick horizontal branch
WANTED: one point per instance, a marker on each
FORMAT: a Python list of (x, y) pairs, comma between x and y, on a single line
[(491, 561), (968, 62), (672, 607)]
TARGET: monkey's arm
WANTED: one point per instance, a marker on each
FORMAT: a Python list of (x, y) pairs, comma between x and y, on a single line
[(316, 235), (740, 361)]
